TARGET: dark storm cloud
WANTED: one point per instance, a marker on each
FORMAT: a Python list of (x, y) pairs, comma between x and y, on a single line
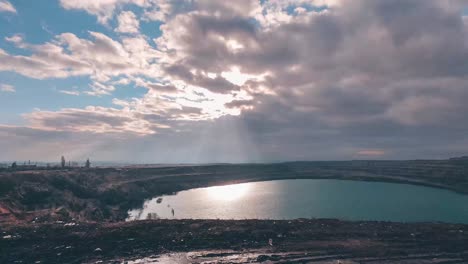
[(216, 84)]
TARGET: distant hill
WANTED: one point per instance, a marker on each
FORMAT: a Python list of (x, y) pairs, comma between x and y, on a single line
[(464, 158)]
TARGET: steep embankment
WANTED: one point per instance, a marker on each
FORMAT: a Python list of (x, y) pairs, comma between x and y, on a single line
[(103, 194)]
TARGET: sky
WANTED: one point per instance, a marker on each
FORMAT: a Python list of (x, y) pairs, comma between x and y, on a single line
[(206, 81)]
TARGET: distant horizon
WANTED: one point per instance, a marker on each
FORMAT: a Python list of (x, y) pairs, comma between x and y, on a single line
[(210, 163)]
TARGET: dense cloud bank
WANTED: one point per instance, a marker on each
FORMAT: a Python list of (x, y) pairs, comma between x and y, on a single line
[(239, 81)]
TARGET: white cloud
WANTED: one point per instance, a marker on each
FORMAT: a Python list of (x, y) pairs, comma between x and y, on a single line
[(102, 9), (91, 119), (7, 88), (75, 93), (98, 89), (17, 39), (128, 23), (67, 55), (6, 6)]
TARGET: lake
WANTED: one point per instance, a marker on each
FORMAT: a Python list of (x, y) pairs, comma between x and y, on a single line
[(291, 199)]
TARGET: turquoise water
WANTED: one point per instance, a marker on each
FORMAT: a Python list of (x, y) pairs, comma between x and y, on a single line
[(291, 199)]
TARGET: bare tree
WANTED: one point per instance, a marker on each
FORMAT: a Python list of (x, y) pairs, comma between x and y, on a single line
[(13, 165), (63, 162), (88, 164)]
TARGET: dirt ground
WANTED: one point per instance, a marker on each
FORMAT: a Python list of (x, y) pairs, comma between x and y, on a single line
[(228, 241)]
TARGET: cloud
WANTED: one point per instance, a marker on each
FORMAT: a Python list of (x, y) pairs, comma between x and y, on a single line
[(98, 89), (296, 76), (67, 55), (240, 104), (6, 6), (128, 23), (371, 152), (17, 39), (7, 88), (90, 119), (75, 93), (103, 10)]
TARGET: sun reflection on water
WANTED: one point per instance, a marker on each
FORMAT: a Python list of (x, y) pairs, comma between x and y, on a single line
[(228, 192)]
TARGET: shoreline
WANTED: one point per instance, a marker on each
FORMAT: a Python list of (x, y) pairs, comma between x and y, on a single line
[(106, 194), (46, 215), (369, 179)]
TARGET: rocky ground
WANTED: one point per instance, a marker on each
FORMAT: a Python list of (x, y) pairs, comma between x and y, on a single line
[(245, 241)]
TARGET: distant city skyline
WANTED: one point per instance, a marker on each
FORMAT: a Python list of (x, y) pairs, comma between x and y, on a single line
[(207, 81)]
